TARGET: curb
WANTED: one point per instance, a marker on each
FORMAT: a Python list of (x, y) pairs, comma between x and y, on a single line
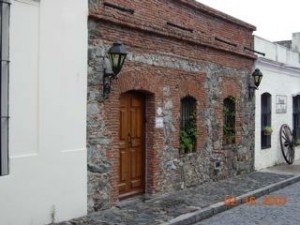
[(201, 214)]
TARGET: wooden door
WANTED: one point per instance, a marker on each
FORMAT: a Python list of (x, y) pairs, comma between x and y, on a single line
[(132, 160)]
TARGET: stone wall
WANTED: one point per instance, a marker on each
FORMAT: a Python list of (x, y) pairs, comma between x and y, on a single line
[(167, 65)]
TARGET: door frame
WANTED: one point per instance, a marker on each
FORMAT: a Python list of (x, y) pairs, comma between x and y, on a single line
[(143, 144)]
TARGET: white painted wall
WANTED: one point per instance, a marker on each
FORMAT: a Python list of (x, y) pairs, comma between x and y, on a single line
[(281, 70), (48, 81)]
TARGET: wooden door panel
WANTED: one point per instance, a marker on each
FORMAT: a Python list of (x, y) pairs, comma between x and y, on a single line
[(133, 127), (139, 126), (136, 183), (123, 128), (136, 142), (139, 163), (122, 172), (131, 144), (137, 120), (136, 101), (133, 164)]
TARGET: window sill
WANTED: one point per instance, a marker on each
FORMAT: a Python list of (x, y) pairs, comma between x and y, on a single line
[(265, 147), (187, 155)]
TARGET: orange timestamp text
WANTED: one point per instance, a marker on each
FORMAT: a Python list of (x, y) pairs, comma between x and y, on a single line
[(267, 200)]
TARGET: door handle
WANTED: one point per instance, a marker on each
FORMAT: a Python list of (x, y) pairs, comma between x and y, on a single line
[(129, 139)]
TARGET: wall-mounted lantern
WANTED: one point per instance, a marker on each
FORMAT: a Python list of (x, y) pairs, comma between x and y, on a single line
[(257, 77), (117, 55)]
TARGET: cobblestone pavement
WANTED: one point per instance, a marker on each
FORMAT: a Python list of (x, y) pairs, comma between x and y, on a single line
[(164, 208), (275, 214)]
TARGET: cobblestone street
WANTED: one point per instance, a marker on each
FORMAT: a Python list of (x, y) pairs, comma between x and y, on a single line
[(165, 208), (275, 214)]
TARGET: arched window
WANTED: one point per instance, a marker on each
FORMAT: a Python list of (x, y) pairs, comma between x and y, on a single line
[(188, 125), (229, 120), (266, 114), (296, 118)]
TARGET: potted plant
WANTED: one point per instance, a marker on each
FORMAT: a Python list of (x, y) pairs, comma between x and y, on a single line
[(267, 130)]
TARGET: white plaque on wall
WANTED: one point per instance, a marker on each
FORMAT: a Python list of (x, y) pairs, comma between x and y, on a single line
[(159, 122), (281, 103)]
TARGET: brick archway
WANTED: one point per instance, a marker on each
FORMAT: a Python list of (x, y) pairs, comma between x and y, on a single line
[(152, 142)]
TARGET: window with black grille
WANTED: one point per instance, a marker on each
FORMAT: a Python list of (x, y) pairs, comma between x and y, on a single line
[(4, 74), (188, 125), (229, 120), (266, 115), (296, 118)]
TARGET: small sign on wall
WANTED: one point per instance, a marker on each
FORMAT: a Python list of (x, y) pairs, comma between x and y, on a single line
[(159, 122), (281, 103)]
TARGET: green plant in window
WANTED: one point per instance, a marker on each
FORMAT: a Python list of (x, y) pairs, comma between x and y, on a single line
[(229, 134), (267, 130), (189, 134), (228, 113), (228, 131), (233, 99), (229, 125), (186, 142)]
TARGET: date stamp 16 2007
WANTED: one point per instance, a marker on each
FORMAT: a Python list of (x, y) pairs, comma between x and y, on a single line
[(267, 200)]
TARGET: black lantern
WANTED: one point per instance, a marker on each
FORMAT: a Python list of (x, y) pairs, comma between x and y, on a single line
[(257, 77), (117, 55)]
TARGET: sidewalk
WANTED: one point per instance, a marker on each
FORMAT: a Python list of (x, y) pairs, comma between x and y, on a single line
[(194, 204)]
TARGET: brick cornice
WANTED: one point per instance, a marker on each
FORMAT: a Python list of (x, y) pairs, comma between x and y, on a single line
[(202, 40)]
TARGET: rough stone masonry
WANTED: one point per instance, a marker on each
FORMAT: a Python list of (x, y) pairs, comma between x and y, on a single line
[(176, 48)]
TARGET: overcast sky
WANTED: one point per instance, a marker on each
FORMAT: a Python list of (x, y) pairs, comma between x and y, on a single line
[(275, 20)]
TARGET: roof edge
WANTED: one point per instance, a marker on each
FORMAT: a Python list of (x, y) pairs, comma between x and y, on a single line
[(216, 13)]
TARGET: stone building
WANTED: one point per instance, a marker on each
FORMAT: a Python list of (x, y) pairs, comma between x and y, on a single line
[(278, 98), (188, 67)]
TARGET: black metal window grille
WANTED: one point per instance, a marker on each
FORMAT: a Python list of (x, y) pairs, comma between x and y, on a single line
[(296, 117), (266, 115), (188, 121), (188, 107), (4, 74), (229, 120)]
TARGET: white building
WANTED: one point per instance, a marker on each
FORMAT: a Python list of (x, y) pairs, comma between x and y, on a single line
[(276, 98), (43, 165)]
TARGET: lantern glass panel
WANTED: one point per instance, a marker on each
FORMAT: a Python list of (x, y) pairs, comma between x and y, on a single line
[(114, 60)]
